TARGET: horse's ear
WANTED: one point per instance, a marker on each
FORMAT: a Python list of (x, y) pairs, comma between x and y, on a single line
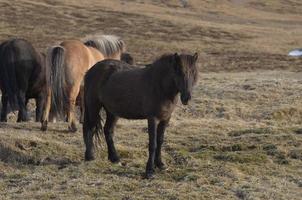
[(195, 56)]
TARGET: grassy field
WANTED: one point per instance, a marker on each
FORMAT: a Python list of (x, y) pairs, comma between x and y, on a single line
[(240, 137)]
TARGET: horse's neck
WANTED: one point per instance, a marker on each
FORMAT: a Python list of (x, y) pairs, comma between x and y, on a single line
[(97, 56), (94, 56), (116, 56), (164, 84)]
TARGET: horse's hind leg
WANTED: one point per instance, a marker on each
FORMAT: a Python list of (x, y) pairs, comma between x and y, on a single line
[(39, 108), (46, 111), (88, 140), (160, 139), (82, 113), (109, 131), (71, 109), (4, 100), (19, 113), (22, 115), (71, 117), (90, 126)]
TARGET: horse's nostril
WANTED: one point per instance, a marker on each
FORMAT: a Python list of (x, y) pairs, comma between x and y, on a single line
[(185, 99)]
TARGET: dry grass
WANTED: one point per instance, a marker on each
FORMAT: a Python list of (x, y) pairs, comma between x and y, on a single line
[(240, 138)]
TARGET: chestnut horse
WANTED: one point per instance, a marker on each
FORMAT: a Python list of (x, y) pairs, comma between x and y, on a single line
[(66, 65), (22, 77), (136, 93)]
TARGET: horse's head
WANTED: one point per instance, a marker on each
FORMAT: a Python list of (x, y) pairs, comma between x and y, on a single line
[(127, 58), (185, 75)]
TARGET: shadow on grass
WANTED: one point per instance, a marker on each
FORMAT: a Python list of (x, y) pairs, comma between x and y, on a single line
[(35, 126), (19, 154)]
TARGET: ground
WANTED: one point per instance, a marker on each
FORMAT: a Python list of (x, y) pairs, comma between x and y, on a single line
[(240, 137)]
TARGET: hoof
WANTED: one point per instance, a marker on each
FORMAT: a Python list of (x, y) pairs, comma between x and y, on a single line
[(114, 159), (81, 120), (22, 118), (89, 156), (160, 166), (149, 175), (44, 126), (72, 128)]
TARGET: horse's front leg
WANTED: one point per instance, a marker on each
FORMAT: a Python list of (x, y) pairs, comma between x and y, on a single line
[(152, 131), (160, 139), (20, 113), (45, 116), (4, 100), (109, 131), (88, 140)]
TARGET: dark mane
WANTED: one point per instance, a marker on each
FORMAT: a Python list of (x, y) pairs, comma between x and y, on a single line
[(164, 63), (161, 70), (189, 62), (166, 58)]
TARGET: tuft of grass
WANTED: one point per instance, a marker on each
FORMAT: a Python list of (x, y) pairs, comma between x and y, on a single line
[(258, 131), (238, 157), (296, 154)]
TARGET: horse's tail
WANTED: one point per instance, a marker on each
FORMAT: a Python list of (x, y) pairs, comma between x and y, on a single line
[(8, 76), (55, 75), (91, 128), (93, 123)]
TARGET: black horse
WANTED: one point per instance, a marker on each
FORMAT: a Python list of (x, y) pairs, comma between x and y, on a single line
[(136, 93), (22, 77)]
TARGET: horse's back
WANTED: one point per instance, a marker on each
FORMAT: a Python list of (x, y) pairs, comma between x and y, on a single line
[(79, 58), (102, 70), (123, 88), (18, 50), (75, 52), (94, 79), (20, 55), (20, 68)]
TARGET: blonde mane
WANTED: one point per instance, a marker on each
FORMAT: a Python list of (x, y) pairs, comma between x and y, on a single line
[(108, 45)]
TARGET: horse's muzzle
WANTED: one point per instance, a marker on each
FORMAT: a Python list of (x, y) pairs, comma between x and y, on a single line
[(185, 98)]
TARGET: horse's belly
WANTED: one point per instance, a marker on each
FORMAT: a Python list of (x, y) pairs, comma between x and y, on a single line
[(127, 99), (131, 116), (126, 112), (129, 108)]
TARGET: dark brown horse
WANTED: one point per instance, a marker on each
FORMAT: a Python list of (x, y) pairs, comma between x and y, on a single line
[(66, 66), (22, 77), (136, 93)]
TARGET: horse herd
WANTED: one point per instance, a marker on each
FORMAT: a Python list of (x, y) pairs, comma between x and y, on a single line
[(96, 74)]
